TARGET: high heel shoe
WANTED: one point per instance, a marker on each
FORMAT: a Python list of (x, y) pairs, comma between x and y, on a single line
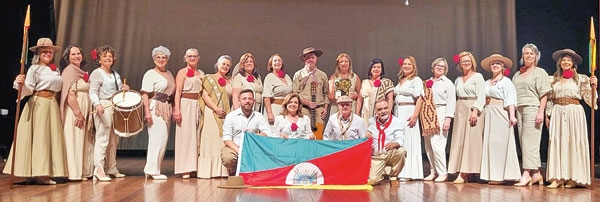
[(156, 177), (536, 179), (100, 175), (185, 176), (522, 183), (556, 184)]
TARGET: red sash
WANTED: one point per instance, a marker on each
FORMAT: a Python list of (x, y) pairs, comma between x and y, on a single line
[(381, 140)]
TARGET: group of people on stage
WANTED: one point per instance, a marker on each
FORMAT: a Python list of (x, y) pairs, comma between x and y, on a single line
[(73, 137)]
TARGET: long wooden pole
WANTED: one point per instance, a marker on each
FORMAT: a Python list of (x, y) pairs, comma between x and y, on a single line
[(18, 107)]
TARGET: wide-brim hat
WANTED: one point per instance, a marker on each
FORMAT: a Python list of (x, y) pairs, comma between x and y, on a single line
[(560, 53), (344, 98), (309, 50), (44, 42), (234, 182), (485, 63)]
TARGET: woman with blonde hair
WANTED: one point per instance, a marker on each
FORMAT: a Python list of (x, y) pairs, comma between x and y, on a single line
[(467, 132), (407, 105), (344, 82)]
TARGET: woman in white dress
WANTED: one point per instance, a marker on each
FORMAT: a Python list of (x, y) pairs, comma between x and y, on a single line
[(158, 85), (407, 105), (344, 82), (186, 114), (291, 123), (499, 161), (444, 98), (374, 88), (246, 76), (278, 84), (568, 147)]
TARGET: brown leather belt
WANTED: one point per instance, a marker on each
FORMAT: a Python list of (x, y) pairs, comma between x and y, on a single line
[(493, 101), (467, 98), (566, 101), (277, 101), (45, 93), (404, 103), (193, 96)]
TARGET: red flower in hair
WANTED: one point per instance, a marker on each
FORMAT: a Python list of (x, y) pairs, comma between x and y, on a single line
[(250, 78), (429, 83), (191, 72), (86, 77), (222, 82), (280, 73), (507, 72), (53, 67), (377, 83), (94, 54), (294, 127), (401, 61), (567, 74), (456, 59)]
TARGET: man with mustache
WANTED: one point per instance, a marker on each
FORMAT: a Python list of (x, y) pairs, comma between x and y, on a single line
[(387, 132), (237, 122)]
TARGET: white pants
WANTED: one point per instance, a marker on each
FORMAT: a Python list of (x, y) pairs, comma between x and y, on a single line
[(435, 145), (158, 135), (105, 147)]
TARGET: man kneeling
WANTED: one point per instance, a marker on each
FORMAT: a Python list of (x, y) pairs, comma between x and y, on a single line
[(388, 138), (236, 123)]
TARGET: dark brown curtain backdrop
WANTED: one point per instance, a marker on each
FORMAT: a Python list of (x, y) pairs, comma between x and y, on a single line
[(385, 29)]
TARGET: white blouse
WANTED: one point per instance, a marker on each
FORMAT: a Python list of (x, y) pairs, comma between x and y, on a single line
[(503, 90), (444, 93), (284, 126), (40, 77), (409, 91)]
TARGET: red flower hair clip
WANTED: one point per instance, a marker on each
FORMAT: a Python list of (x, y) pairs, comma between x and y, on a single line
[(377, 83), (456, 59), (507, 72), (222, 82), (401, 61), (52, 67), (567, 74), (86, 77), (294, 127), (281, 73), (94, 55), (191, 72), (250, 78), (429, 83)]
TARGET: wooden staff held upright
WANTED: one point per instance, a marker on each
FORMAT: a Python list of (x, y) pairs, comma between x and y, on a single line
[(18, 107)]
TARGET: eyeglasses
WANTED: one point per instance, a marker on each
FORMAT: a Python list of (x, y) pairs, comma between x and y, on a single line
[(439, 66), (161, 57), (192, 56)]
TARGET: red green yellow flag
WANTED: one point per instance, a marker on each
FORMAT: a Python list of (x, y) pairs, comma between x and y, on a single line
[(592, 54)]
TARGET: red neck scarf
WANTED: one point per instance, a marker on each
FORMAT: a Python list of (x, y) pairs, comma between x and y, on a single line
[(381, 140)]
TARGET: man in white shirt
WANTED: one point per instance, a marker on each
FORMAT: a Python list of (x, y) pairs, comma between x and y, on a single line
[(237, 122), (388, 140), (344, 125)]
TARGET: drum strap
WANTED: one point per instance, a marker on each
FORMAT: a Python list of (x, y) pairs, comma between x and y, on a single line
[(114, 76)]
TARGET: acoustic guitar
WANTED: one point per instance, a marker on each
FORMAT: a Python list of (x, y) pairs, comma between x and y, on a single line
[(317, 128)]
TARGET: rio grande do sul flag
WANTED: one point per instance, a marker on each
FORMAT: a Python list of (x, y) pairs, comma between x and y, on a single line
[(267, 161)]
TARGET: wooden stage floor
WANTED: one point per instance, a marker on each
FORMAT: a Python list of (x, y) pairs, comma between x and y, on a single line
[(135, 187)]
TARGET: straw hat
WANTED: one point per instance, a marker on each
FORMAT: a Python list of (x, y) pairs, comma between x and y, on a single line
[(485, 63), (309, 50), (44, 42), (234, 182), (344, 99), (560, 53)]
